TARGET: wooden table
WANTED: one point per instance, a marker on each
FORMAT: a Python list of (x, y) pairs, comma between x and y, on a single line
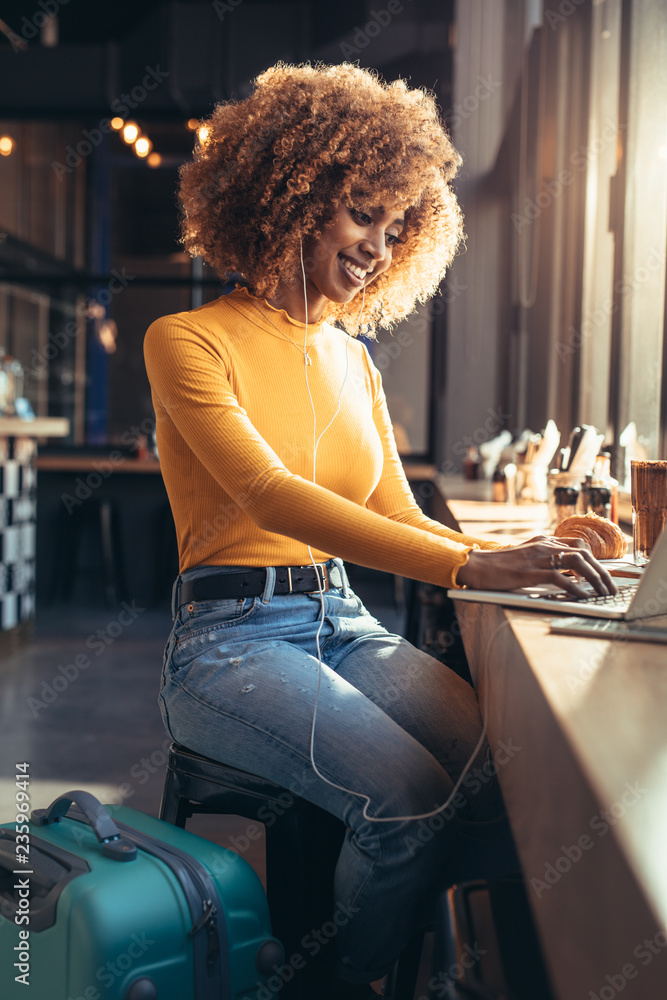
[(586, 786)]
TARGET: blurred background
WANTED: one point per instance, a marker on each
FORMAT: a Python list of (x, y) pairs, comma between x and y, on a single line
[(553, 311)]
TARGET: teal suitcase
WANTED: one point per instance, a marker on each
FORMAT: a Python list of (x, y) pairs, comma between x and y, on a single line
[(106, 903)]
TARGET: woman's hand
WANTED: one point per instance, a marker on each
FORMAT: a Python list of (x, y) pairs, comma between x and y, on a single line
[(537, 561)]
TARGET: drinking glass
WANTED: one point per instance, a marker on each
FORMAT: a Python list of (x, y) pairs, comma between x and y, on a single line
[(648, 484)]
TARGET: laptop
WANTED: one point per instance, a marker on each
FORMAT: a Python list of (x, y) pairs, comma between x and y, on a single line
[(643, 598)]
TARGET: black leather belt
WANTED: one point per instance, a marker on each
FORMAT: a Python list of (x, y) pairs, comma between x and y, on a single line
[(251, 583)]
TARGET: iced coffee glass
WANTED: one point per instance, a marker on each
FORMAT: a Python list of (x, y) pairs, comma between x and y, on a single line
[(648, 483)]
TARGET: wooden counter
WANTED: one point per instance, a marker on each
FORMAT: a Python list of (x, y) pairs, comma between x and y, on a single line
[(37, 428), (114, 462), (586, 789)]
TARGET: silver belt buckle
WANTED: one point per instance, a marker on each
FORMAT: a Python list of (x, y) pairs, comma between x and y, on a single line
[(321, 570)]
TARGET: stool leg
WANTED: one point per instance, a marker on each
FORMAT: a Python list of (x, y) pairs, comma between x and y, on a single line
[(173, 807), (65, 568), (302, 848), (108, 563), (286, 892), (402, 979)]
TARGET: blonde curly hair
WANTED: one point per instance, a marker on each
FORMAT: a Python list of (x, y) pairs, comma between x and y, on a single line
[(272, 170)]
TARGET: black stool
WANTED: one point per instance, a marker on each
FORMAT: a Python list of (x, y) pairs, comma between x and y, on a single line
[(95, 524), (302, 846)]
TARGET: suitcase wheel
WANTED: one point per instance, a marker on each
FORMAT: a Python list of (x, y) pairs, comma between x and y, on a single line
[(141, 989)]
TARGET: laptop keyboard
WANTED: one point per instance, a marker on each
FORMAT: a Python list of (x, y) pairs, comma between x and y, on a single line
[(618, 600)]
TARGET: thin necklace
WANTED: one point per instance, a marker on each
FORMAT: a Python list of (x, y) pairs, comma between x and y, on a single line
[(288, 339)]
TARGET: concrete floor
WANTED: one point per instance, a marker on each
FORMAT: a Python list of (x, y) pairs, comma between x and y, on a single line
[(79, 705)]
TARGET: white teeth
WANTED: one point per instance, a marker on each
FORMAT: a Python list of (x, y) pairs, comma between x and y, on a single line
[(358, 272)]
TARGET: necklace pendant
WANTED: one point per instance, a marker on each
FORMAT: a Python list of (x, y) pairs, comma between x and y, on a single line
[(307, 357)]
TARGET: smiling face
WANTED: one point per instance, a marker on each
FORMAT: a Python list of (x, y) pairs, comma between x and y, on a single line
[(351, 253)]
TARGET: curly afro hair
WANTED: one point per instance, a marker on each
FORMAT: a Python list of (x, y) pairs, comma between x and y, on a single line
[(273, 169)]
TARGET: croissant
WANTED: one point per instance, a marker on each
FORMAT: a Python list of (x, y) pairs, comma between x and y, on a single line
[(606, 540)]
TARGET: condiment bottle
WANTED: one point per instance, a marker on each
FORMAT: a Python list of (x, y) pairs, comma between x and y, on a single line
[(598, 500), (471, 463), (566, 502), (499, 488)]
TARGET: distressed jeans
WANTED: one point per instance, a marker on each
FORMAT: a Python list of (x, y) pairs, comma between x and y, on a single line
[(394, 724)]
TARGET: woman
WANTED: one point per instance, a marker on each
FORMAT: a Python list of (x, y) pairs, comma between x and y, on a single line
[(328, 192)]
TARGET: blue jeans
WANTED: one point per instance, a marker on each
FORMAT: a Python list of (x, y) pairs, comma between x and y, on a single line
[(239, 683)]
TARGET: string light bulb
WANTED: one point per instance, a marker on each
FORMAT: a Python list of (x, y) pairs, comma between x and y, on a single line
[(193, 124), (154, 160), (117, 123), (203, 134), (130, 132), (143, 146), (7, 145)]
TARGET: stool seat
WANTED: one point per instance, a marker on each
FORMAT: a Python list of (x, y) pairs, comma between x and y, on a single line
[(198, 784)]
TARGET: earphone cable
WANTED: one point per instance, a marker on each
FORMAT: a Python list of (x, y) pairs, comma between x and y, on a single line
[(316, 442)]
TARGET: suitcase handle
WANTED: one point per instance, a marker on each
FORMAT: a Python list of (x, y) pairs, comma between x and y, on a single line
[(114, 845)]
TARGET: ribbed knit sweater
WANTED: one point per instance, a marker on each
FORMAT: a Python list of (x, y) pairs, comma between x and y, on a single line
[(234, 428)]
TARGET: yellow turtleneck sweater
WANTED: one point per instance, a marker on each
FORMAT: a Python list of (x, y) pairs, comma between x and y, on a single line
[(234, 430)]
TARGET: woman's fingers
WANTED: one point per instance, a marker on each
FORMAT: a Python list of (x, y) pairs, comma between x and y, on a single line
[(573, 543), (579, 559), (581, 563), (543, 561)]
